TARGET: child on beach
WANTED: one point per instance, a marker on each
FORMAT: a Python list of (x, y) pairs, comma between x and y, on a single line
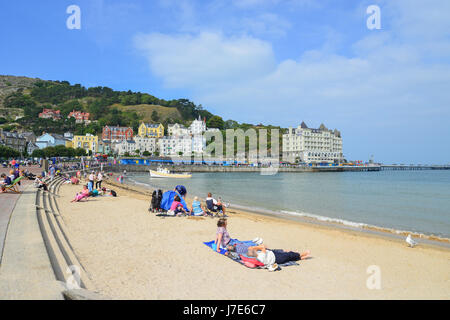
[(197, 209), (177, 206)]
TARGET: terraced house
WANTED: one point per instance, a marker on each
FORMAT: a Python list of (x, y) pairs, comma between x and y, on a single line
[(151, 130), (13, 140), (117, 134), (88, 142)]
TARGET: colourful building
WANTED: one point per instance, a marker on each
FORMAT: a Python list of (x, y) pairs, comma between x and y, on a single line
[(152, 130), (50, 114), (80, 117), (88, 142), (117, 134)]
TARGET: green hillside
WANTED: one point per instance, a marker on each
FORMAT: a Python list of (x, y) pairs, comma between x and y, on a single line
[(22, 99), (145, 111)]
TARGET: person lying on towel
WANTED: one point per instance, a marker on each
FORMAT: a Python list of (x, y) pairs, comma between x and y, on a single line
[(270, 258)]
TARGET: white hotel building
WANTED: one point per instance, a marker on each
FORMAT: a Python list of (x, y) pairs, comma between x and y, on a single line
[(173, 145), (139, 143), (313, 145)]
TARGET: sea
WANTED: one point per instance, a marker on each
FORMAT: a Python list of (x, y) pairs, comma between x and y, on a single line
[(415, 202)]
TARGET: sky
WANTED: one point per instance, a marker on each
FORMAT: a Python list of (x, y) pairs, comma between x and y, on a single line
[(276, 62)]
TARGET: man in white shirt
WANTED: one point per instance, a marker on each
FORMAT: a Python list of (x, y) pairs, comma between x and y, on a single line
[(214, 205), (91, 181), (98, 184), (271, 258)]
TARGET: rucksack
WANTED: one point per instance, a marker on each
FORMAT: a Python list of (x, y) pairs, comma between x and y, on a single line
[(159, 198), (154, 200)]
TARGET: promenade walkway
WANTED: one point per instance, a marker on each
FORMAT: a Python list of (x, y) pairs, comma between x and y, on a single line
[(7, 204), (23, 257)]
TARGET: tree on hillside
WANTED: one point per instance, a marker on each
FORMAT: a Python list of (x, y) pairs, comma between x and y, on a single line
[(155, 116), (231, 124), (215, 122), (69, 106)]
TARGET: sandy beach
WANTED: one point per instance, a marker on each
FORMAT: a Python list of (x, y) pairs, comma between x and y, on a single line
[(130, 253)]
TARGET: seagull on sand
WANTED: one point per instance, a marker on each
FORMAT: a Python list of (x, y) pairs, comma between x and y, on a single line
[(410, 241)]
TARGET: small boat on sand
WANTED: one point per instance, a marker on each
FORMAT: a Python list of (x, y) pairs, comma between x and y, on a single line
[(165, 173)]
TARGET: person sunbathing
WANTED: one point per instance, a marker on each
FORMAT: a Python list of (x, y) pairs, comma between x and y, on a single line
[(84, 194), (272, 258)]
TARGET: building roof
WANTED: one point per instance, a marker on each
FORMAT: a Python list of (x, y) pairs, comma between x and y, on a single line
[(152, 125), (15, 135), (112, 128), (303, 125)]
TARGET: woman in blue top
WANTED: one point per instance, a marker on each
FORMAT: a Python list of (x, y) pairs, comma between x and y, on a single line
[(197, 209)]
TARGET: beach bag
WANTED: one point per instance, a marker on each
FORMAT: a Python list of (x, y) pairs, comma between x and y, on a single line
[(154, 201), (113, 193), (160, 195)]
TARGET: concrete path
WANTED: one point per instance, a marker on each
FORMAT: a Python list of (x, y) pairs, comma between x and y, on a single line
[(26, 271), (8, 202)]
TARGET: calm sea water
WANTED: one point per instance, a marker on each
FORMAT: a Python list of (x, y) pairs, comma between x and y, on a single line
[(417, 201)]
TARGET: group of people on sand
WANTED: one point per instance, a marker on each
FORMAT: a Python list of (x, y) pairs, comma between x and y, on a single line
[(173, 201), (92, 188), (270, 258)]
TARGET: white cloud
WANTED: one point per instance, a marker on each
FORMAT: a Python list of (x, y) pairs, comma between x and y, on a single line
[(395, 79), (266, 24), (205, 60)]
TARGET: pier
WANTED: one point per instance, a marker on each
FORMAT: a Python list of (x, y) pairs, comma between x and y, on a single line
[(414, 167)]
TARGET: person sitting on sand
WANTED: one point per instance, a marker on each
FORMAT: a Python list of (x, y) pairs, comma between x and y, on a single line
[(272, 258), (81, 195), (177, 206), (169, 196), (223, 238), (214, 205), (197, 209), (74, 180), (39, 183)]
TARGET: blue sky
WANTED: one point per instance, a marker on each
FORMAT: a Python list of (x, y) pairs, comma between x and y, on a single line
[(271, 61)]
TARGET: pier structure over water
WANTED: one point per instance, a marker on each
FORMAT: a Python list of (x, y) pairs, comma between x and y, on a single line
[(415, 167)]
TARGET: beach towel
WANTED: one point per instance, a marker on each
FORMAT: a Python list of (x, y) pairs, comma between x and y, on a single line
[(249, 262)]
